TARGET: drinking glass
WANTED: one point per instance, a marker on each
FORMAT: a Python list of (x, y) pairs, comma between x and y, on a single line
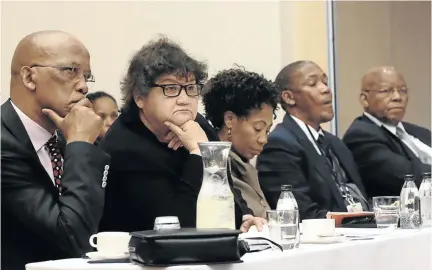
[(386, 209), (283, 227)]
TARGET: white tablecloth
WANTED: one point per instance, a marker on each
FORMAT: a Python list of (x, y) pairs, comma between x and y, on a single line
[(395, 250)]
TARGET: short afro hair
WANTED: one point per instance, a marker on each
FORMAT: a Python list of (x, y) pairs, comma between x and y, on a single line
[(238, 91), (157, 58)]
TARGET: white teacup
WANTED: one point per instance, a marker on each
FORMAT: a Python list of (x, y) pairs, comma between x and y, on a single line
[(312, 228), (111, 243)]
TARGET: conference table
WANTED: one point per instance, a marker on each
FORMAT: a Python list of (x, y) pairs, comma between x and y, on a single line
[(373, 249)]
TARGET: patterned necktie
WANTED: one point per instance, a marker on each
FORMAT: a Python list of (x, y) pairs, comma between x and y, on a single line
[(349, 191), (56, 161), (406, 138), (339, 174)]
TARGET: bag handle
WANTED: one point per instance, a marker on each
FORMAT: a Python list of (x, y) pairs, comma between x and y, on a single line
[(245, 248)]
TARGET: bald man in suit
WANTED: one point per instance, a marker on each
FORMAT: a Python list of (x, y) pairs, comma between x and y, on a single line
[(52, 176), (385, 147)]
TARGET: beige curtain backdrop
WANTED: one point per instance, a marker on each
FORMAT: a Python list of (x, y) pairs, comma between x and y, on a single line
[(262, 36), (245, 33), (371, 33), (304, 34)]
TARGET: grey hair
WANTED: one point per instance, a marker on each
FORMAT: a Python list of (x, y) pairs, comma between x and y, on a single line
[(157, 58)]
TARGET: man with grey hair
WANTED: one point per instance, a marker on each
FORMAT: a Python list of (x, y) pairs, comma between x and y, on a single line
[(386, 148)]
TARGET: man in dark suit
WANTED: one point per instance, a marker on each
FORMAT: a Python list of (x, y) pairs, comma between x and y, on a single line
[(317, 164), (52, 177), (385, 148)]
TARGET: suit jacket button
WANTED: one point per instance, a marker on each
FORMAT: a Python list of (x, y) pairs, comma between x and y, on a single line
[(263, 203)]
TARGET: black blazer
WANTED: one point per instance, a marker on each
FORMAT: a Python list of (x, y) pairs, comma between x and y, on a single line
[(382, 158), (290, 158), (37, 223), (148, 179)]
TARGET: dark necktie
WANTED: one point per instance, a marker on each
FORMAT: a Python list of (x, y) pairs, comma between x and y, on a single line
[(56, 161), (339, 175)]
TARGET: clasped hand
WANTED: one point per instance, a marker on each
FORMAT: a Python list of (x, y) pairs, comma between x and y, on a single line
[(80, 124)]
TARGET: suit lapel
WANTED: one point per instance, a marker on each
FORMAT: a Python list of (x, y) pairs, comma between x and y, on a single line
[(249, 174), (319, 162), (400, 145), (12, 121), (423, 135), (16, 127), (304, 141), (394, 140)]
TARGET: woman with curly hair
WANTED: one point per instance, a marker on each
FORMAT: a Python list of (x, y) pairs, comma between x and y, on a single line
[(241, 105), (156, 165)]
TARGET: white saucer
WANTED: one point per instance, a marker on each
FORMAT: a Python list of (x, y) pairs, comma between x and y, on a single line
[(322, 240), (95, 255)]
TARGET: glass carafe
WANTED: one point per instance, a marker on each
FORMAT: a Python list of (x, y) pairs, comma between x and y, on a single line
[(215, 204)]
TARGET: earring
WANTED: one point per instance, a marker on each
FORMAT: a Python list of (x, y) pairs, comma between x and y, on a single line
[(229, 133)]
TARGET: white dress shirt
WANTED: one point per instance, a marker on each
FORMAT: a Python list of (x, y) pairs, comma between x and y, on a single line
[(413, 140), (38, 137), (306, 129)]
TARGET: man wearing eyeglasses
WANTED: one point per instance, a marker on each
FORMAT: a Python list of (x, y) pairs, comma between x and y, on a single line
[(384, 147), (52, 176)]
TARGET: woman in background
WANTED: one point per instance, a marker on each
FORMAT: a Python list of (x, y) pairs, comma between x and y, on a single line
[(241, 105), (106, 107)]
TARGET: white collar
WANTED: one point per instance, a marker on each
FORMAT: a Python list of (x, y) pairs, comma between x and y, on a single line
[(37, 134), (389, 127), (305, 128)]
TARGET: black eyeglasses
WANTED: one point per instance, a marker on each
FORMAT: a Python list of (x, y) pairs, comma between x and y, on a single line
[(73, 73), (174, 90)]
